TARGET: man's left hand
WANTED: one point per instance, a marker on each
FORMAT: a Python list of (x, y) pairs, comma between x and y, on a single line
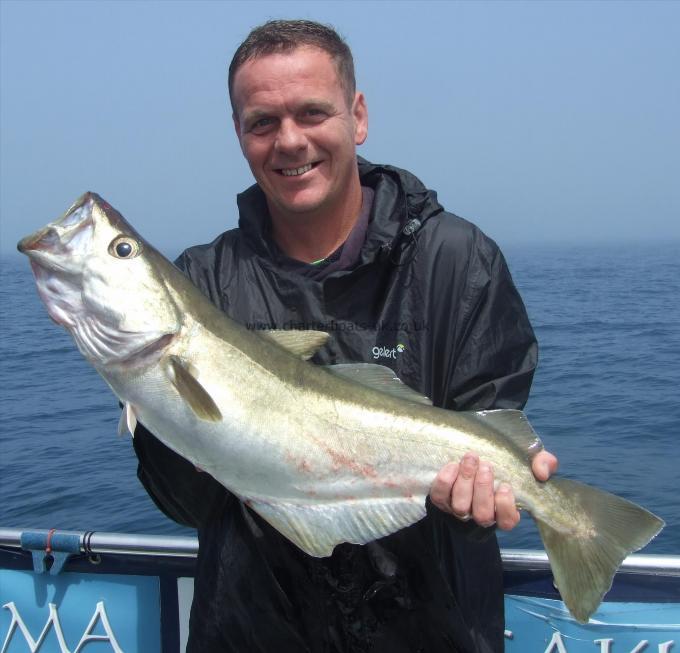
[(466, 490)]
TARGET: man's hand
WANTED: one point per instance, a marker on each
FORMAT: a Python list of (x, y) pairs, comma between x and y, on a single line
[(466, 491)]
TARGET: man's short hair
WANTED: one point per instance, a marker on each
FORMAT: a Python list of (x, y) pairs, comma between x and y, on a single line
[(277, 36)]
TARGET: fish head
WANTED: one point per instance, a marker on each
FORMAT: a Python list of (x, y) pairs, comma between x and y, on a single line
[(100, 280)]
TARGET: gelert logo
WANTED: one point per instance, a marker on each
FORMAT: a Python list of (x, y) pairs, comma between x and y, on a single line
[(386, 352)]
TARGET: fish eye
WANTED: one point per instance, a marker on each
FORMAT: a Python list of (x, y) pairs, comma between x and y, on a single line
[(124, 247)]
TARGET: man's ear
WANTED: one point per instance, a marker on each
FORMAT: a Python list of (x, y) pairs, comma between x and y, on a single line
[(360, 115)]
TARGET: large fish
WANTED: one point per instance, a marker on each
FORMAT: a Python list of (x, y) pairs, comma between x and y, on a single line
[(326, 455)]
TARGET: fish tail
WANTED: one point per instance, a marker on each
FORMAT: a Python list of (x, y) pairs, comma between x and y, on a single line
[(585, 559)]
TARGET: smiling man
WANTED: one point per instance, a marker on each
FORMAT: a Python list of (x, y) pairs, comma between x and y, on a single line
[(298, 128), (326, 240)]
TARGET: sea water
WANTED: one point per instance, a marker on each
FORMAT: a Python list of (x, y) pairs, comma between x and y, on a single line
[(605, 399)]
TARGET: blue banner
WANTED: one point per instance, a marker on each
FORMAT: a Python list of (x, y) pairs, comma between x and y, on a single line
[(74, 612), (536, 625)]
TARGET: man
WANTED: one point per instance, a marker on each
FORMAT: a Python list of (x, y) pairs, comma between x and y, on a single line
[(367, 253)]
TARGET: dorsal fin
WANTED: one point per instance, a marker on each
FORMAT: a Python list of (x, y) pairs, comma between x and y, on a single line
[(301, 343), (514, 425), (378, 377)]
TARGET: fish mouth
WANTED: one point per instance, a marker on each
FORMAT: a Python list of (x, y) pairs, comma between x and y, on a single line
[(60, 244), (57, 253), (297, 171)]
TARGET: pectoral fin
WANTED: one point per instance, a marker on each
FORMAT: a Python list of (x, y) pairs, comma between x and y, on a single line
[(191, 390)]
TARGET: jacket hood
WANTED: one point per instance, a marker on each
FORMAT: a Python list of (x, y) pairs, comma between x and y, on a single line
[(399, 199)]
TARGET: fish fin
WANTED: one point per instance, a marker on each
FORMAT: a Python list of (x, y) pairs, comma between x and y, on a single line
[(584, 560), (127, 421), (378, 377), (317, 528), (192, 391), (301, 343), (122, 423), (514, 426)]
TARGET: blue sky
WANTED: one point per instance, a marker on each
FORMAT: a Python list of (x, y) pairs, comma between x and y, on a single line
[(539, 121)]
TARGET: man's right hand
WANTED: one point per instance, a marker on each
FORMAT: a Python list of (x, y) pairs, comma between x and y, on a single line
[(466, 490)]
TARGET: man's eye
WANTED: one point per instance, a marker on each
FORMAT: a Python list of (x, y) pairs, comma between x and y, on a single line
[(261, 125), (314, 114)]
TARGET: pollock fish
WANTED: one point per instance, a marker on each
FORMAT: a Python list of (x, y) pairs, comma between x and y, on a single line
[(343, 453)]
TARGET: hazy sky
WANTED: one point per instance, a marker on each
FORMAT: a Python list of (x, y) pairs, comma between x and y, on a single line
[(536, 120)]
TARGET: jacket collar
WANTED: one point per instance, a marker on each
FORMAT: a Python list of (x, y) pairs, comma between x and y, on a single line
[(398, 197)]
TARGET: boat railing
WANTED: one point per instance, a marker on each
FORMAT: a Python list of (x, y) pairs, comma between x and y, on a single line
[(96, 542)]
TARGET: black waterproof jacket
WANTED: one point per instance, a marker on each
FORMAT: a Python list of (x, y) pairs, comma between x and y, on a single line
[(432, 298)]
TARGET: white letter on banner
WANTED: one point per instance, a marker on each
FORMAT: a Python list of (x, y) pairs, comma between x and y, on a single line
[(556, 644), (605, 645), (109, 637), (666, 647), (640, 647), (33, 645)]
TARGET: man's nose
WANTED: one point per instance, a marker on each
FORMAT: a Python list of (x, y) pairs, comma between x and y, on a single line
[(290, 137)]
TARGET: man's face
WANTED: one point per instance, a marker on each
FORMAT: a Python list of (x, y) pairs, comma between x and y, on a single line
[(296, 130)]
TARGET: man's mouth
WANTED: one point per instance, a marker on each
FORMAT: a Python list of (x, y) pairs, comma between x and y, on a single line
[(296, 172)]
